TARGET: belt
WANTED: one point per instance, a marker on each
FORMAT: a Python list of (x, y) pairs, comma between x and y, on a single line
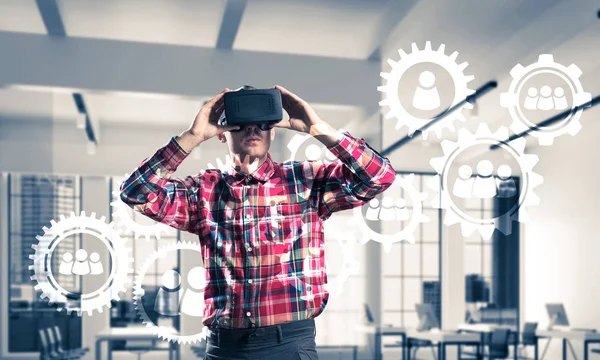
[(293, 328)]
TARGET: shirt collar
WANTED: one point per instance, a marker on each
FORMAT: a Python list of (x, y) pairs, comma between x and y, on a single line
[(263, 173)]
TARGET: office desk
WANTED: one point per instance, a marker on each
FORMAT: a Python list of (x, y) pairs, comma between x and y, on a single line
[(443, 339), (586, 336), (131, 333), (379, 332)]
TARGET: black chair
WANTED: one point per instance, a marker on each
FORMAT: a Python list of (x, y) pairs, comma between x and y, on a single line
[(528, 337), (46, 351), (55, 341), (498, 348)]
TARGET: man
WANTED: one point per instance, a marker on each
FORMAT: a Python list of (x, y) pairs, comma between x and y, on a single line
[(258, 224)]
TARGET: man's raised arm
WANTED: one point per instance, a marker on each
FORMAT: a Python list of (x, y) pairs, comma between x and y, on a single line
[(151, 191)]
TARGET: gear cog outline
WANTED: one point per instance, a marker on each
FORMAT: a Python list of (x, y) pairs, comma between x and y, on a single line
[(222, 165), (521, 74), (350, 266), (298, 139), (138, 293), (407, 233), (82, 224), (427, 55), (483, 136), (130, 226)]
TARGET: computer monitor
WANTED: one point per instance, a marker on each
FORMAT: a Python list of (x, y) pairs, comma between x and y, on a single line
[(557, 315), (427, 317)]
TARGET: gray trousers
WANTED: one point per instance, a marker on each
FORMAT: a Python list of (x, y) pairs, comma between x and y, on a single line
[(290, 341)]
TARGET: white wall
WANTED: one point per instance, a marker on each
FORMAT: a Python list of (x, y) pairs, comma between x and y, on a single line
[(561, 240)]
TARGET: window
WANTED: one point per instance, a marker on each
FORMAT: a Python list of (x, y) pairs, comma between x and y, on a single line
[(491, 267), (123, 312), (411, 272), (33, 201)]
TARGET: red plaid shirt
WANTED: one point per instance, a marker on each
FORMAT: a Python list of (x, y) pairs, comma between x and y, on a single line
[(259, 232)]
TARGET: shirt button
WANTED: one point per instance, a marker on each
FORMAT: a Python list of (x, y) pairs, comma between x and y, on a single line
[(249, 281), (249, 249), (248, 313), (248, 216)]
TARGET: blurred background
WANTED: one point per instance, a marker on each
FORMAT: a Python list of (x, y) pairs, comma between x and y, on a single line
[(90, 88)]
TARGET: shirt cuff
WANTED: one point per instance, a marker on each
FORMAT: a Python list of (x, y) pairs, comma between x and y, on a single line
[(172, 154), (345, 145)]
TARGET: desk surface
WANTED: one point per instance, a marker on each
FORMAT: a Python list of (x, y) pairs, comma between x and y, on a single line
[(569, 334), (443, 336), (381, 329), (130, 333), (485, 328)]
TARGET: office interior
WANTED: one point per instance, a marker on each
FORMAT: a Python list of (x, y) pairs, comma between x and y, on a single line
[(89, 89)]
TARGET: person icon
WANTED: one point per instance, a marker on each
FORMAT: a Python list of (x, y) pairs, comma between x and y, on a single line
[(484, 185), (463, 186), (329, 156), (426, 95), (531, 99), (313, 152), (167, 298), (193, 299), (66, 265), (373, 210), (560, 100), (546, 102), (81, 265), (387, 212), (507, 187), (95, 264), (401, 210)]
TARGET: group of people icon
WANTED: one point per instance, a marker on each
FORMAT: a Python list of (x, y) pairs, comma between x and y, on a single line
[(81, 265), (485, 185), (387, 211), (315, 152), (427, 96), (182, 301), (546, 99)]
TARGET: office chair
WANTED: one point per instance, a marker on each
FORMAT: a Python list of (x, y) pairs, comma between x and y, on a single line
[(46, 353), (528, 338), (55, 341), (498, 348), (416, 344)]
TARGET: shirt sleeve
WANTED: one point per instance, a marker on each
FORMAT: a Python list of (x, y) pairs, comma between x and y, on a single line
[(360, 175), (151, 191)]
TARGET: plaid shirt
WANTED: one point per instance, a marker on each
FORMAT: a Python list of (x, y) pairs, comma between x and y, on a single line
[(261, 235)]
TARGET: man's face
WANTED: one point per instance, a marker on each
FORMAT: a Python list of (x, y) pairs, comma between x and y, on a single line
[(250, 142)]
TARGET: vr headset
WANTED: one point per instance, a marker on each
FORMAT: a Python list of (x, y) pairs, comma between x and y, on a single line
[(260, 107)]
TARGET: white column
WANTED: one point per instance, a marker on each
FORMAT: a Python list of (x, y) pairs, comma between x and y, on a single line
[(95, 198)]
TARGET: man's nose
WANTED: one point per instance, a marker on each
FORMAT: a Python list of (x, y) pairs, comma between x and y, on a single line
[(250, 128)]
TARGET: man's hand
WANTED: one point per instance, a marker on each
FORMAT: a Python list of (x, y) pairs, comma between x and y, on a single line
[(302, 115), (304, 119), (205, 125)]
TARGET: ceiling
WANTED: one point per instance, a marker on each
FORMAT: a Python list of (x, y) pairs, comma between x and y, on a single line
[(491, 36)]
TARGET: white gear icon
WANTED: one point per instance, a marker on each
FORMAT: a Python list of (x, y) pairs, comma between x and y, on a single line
[(122, 212), (130, 226), (335, 285), (297, 141), (503, 222), (138, 293), (223, 165), (407, 233), (521, 74), (427, 55), (73, 225)]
